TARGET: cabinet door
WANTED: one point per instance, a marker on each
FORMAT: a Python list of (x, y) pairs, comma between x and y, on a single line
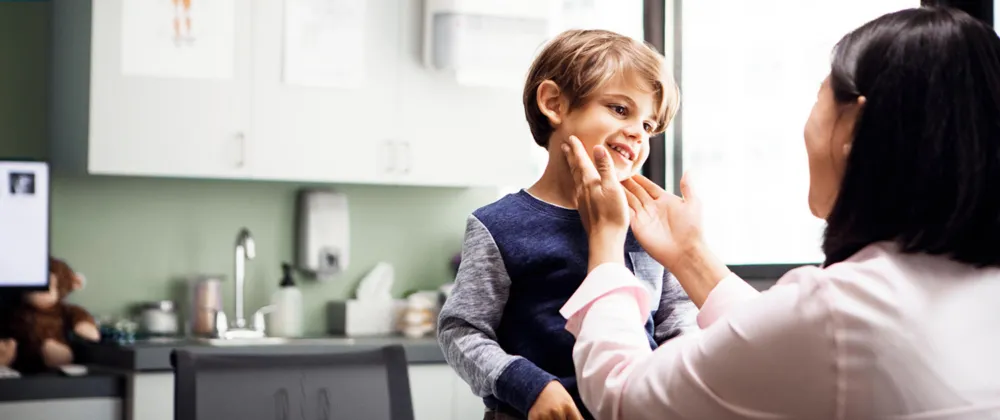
[(64, 409), (150, 395), (309, 131), (457, 135), (431, 391), (167, 106), (465, 404)]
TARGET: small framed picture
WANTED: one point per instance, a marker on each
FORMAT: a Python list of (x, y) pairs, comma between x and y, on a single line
[(22, 183)]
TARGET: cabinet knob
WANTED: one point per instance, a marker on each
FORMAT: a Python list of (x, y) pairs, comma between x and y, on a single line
[(407, 157), (241, 144), (390, 156)]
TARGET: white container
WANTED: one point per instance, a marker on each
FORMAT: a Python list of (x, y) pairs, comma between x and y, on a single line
[(286, 318), (158, 318)]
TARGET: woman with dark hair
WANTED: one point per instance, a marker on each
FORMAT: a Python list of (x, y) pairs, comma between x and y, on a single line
[(901, 319)]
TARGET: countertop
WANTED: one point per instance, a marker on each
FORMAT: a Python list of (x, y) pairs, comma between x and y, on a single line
[(154, 355), (110, 364)]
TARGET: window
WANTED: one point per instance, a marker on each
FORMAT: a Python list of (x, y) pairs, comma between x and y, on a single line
[(996, 15), (749, 73)]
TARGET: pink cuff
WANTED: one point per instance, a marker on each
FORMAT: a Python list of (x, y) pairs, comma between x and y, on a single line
[(606, 279), (730, 292)]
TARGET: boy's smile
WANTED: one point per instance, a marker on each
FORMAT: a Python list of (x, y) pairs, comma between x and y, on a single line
[(624, 150)]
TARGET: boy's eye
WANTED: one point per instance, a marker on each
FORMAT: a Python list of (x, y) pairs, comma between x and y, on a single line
[(618, 109), (648, 127)]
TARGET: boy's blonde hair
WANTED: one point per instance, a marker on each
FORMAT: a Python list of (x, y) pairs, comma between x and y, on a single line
[(581, 62)]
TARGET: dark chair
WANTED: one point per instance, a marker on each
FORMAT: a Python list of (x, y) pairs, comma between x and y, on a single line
[(234, 384)]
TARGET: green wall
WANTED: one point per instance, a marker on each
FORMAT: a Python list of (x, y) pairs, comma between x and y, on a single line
[(134, 238)]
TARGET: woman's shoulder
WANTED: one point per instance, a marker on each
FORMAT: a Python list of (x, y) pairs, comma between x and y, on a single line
[(882, 264), (881, 277), (881, 261), (874, 274)]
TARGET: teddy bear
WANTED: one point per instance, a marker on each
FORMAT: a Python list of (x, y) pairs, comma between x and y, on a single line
[(41, 326)]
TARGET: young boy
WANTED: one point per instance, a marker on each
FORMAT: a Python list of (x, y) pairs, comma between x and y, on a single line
[(525, 254)]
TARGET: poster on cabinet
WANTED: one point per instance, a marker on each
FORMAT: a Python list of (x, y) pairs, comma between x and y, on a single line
[(324, 43), (178, 38)]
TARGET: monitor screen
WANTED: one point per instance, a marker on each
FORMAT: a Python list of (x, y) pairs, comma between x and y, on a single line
[(24, 224)]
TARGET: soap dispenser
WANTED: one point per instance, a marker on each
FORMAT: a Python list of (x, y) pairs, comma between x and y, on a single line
[(286, 319)]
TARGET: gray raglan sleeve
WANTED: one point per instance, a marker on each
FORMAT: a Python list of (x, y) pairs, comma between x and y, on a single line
[(677, 314), (468, 321)]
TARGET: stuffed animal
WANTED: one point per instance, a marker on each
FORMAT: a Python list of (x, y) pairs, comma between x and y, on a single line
[(41, 327)]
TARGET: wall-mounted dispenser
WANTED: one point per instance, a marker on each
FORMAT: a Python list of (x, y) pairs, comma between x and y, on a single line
[(323, 229), (485, 42)]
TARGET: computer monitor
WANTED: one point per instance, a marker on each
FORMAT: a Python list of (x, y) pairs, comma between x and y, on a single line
[(24, 225)]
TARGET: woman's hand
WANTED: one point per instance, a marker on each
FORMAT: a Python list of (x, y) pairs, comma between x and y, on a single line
[(667, 226), (669, 229), (601, 201)]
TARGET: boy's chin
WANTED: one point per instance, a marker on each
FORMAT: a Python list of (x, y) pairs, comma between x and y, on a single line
[(625, 173)]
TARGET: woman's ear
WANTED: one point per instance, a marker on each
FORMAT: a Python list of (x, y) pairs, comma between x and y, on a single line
[(551, 102), (849, 118)]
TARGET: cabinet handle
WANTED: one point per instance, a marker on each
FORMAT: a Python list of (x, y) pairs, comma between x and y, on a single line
[(407, 156), (390, 155), (241, 159)]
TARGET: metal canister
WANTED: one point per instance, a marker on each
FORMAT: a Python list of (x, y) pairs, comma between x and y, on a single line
[(157, 319), (205, 303)]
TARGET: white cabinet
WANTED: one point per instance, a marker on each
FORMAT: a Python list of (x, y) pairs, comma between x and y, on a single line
[(64, 409), (430, 391), (457, 134), (438, 393), (150, 396), (405, 125), (105, 121), (465, 404), (335, 134)]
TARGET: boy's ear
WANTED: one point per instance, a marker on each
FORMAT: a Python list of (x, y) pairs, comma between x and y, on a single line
[(551, 102)]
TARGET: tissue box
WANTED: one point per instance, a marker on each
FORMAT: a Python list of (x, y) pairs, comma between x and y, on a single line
[(363, 317)]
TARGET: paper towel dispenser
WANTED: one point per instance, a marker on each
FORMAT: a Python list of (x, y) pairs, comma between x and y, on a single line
[(323, 229), (485, 42)]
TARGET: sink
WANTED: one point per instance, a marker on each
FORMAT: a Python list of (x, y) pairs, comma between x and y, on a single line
[(244, 341), (264, 341), (322, 341)]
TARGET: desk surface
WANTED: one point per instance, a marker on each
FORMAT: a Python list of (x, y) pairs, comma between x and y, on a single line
[(50, 386)]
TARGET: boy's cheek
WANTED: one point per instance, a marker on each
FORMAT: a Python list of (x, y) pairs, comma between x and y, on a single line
[(642, 159)]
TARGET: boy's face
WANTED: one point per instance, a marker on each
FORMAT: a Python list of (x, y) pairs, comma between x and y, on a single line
[(620, 116)]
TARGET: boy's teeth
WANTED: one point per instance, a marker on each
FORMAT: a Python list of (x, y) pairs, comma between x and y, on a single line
[(621, 152)]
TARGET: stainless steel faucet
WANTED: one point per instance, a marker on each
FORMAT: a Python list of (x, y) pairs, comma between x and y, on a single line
[(245, 251)]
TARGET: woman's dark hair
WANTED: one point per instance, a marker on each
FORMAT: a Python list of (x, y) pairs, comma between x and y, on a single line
[(924, 166)]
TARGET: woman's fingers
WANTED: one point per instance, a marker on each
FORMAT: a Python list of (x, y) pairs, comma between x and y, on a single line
[(649, 186), (637, 191), (605, 168), (579, 162), (686, 191), (634, 202)]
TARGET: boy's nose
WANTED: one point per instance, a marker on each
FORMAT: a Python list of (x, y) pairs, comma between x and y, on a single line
[(635, 131)]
